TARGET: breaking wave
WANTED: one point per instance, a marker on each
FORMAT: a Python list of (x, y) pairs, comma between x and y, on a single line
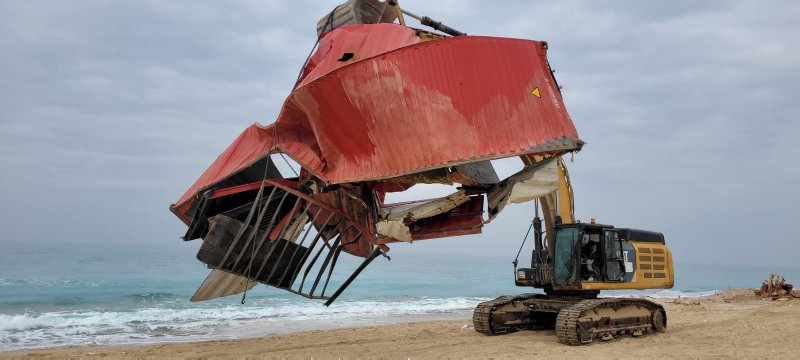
[(163, 324)]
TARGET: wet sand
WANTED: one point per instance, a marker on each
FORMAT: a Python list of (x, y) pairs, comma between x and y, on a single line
[(734, 324)]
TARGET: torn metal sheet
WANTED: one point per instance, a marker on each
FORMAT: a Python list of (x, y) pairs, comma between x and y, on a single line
[(220, 283), (293, 232), (395, 219), (530, 183), (464, 219), (477, 173), (474, 174), (411, 212), (394, 229)]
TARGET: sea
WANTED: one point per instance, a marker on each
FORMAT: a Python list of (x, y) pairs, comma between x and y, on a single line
[(98, 296)]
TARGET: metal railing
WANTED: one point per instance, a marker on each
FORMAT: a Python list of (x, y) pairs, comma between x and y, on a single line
[(301, 245)]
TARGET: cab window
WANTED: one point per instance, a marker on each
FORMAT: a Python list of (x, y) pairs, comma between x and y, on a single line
[(564, 261), (615, 270)]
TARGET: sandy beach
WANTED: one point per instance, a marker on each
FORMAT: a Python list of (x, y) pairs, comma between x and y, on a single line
[(731, 324)]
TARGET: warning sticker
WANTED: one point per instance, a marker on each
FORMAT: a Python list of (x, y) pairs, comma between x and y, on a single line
[(536, 93)]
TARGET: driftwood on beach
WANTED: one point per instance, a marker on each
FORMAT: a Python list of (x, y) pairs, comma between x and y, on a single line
[(777, 288)]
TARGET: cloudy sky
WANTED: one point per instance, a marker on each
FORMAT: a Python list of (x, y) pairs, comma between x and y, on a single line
[(109, 110)]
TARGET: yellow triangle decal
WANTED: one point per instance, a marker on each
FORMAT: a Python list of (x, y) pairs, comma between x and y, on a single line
[(535, 92)]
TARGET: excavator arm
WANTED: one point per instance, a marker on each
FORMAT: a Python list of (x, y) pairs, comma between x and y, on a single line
[(557, 206)]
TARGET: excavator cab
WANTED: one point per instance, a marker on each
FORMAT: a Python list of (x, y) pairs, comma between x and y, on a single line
[(586, 253)]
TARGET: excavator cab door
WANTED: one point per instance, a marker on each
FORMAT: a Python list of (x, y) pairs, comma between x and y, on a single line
[(614, 261), (566, 257)]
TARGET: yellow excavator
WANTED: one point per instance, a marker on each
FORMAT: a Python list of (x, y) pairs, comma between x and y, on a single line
[(572, 261)]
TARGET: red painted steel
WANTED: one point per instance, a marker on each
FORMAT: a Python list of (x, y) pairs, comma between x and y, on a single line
[(248, 147), (361, 41), (466, 219), (248, 187), (430, 105), (252, 145), (400, 107)]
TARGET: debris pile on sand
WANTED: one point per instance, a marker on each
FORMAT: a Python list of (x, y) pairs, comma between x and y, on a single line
[(777, 288)]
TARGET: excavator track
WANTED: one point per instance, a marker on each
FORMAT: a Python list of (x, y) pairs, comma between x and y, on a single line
[(606, 319), (577, 321), (482, 316)]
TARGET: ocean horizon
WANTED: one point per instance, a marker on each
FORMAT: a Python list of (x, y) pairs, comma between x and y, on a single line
[(80, 297)]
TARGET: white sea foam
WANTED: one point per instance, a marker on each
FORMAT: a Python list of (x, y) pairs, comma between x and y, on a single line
[(49, 282), (65, 328)]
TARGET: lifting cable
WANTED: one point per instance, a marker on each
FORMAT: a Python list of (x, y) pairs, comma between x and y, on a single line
[(319, 37), (523, 244), (515, 262), (288, 164), (261, 213)]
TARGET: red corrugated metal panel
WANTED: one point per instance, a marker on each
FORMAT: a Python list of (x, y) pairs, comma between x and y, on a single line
[(250, 145), (362, 41), (430, 105), (384, 114)]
